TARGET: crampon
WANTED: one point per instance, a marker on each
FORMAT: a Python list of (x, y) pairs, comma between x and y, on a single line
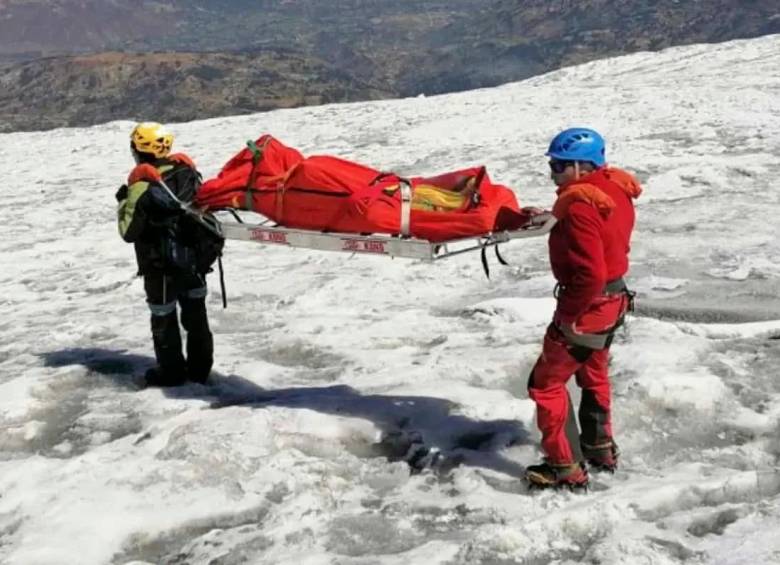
[(573, 476), (602, 457)]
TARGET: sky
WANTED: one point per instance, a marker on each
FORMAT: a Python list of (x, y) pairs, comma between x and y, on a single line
[(330, 367)]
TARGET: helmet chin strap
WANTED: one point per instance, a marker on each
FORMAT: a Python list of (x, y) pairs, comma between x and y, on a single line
[(140, 157), (134, 153), (576, 170)]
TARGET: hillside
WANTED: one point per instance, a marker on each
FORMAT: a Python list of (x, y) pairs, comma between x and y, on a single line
[(352, 49), (79, 90)]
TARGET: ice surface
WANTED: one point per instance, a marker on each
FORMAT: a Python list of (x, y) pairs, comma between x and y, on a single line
[(333, 372)]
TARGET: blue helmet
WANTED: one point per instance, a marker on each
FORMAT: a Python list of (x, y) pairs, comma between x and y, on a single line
[(578, 144)]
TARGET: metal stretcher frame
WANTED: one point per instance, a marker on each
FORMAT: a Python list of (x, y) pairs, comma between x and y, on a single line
[(380, 244)]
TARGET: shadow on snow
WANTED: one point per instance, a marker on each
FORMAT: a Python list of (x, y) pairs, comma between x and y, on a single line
[(421, 430)]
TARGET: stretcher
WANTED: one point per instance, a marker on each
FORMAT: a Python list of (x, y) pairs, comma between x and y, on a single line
[(265, 233)]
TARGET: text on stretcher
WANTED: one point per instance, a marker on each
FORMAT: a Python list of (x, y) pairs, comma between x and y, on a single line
[(259, 234), (364, 246)]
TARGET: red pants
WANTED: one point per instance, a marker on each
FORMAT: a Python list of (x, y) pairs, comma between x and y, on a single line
[(555, 414)]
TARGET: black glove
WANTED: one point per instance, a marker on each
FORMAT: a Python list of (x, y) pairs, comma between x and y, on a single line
[(121, 194)]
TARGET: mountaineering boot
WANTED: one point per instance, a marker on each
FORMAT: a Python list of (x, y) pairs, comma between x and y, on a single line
[(171, 366), (200, 342), (603, 457), (156, 377), (546, 475)]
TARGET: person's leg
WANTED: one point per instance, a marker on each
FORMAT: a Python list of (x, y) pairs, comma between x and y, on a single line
[(554, 413), (595, 413), (161, 298), (194, 318)]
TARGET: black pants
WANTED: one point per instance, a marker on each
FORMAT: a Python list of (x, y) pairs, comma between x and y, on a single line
[(163, 292)]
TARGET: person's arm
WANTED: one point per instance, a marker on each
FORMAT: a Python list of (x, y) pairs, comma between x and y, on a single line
[(131, 214), (141, 200), (585, 256), (160, 205)]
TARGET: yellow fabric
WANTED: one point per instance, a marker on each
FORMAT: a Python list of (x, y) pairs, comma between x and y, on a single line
[(434, 198)]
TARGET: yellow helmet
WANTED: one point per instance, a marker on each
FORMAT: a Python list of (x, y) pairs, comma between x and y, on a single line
[(153, 138)]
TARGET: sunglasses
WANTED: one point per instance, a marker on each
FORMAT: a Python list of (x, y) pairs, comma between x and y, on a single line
[(559, 166)]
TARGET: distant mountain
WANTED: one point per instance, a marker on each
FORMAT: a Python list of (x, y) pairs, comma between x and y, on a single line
[(34, 28), (355, 49), (566, 32), (87, 89)]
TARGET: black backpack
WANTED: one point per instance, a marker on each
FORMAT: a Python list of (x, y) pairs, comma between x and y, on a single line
[(202, 236), (197, 243)]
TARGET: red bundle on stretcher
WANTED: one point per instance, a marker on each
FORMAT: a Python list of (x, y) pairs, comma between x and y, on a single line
[(330, 194)]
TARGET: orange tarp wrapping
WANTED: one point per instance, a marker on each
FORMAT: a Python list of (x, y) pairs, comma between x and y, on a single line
[(330, 194)]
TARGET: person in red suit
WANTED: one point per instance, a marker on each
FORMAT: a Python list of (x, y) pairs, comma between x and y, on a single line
[(589, 248)]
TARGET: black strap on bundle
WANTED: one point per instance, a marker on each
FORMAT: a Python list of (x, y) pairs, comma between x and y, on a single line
[(235, 215), (500, 258), (380, 177), (476, 197), (485, 266), (222, 282)]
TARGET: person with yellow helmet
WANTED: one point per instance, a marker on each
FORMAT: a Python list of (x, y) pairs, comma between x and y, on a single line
[(167, 254)]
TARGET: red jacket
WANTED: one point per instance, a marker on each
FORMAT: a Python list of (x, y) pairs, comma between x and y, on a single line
[(590, 243)]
